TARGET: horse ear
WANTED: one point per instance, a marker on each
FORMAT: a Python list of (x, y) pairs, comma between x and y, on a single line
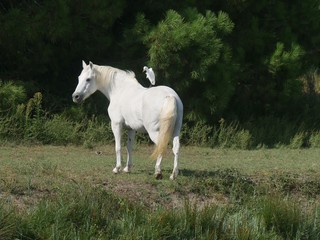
[(84, 64), (91, 65)]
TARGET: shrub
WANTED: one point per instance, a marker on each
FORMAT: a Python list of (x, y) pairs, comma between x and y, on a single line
[(96, 132), (62, 131), (11, 95)]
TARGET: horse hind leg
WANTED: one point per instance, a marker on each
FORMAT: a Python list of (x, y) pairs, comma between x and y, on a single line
[(175, 149), (154, 138), (158, 173), (175, 171)]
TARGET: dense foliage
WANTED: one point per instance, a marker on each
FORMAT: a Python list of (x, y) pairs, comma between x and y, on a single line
[(237, 60)]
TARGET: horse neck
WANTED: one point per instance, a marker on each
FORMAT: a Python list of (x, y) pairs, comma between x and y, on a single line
[(112, 80)]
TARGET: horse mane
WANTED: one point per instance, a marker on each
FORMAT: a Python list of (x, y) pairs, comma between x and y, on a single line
[(108, 73), (131, 73)]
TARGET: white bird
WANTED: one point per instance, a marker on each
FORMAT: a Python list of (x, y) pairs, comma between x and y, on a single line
[(150, 75)]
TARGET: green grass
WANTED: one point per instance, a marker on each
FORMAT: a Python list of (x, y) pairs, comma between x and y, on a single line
[(51, 192)]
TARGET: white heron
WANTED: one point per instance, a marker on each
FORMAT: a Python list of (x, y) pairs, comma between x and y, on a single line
[(150, 75)]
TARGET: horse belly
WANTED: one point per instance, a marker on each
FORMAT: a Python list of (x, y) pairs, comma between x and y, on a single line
[(132, 119), (135, 125)]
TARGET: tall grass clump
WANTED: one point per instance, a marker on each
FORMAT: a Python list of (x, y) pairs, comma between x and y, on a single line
[(7, 223), (287, 219), (197, 134), (231, 136), (314, 139), (299, 140)]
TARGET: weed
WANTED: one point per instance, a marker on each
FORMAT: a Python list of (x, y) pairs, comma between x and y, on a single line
[(314, 139), (299, 140)]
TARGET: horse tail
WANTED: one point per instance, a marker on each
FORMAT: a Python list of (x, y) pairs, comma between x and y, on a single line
[(168, 118)]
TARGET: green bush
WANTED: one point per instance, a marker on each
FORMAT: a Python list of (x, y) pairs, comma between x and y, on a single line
[(11, 95), (61, 131), (97, 132), (30, 122)]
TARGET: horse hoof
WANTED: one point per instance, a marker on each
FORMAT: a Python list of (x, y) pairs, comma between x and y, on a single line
[(126, 170), (116, 170), (158, 176), (173, 176)]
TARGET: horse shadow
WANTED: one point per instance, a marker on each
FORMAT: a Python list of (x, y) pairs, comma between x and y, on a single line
[(209, 173)]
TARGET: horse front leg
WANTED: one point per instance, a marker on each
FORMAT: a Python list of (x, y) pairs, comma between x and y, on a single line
[(131, 135), (116, 129)]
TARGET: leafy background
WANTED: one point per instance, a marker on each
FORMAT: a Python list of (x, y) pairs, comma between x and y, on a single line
[(244, 62)]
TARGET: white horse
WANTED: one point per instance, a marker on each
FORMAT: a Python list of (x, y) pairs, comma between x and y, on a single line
[(156, 110)]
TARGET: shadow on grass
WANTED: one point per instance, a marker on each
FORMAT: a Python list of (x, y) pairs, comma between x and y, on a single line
[(206, 174), (227, 181)]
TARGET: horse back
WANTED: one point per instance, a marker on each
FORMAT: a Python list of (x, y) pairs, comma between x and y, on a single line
[(153, 102)]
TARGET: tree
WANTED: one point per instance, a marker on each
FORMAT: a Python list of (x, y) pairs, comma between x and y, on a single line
[(188, 52), (275, 44), (45, 41)]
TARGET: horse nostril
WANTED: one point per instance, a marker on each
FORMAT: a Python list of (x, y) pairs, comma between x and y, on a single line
[(76, 98)]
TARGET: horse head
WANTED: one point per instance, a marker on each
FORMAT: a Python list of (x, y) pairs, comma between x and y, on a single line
[(86, 83)]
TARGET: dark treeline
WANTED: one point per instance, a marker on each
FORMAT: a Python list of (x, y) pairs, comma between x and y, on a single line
[(240, 60)]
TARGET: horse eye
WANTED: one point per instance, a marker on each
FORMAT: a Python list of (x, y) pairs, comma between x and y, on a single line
[(88, 79)]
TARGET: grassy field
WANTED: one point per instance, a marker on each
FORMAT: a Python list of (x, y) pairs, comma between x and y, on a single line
[(53, 192)]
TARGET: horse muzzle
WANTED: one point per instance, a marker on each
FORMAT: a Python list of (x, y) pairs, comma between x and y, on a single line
[(77, 97)]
